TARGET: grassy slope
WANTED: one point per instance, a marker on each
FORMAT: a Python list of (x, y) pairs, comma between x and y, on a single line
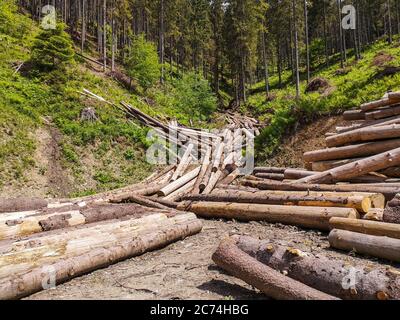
[(99, 156), (358, 84)]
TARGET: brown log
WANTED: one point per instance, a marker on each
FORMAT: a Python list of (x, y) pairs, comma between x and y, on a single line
[(378, 104), (177, 194), (383, 113), (179, 183), (393, 172), (217, 156), (374, 214), (352, 151), (274, 284), (360, 203), (230, 178), (269, 170), (206, 177), (22, 204), (357, 168), (271, 176), (375, 246), (204, 166), (392, 214), (22, 284), (370, 123), (143, 201), (324, 273), (162, 173), (308, 217), (394, 95), (388, 192), (364, 134), (215, 177), (374, 228), (352, 115)]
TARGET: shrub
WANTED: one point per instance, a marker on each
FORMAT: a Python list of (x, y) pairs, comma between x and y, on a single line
[(194, 96), (10, 23), (142, 62), (52, 49)]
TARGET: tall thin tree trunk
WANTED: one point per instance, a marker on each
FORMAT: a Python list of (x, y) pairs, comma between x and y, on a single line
[(266, 74), (83, 35), (389, 11), (105, 34), (162, 42), (307, 40), (296, 50), (340, 34)]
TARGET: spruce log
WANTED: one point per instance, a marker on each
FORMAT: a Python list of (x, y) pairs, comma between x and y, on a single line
[(269, 170), (215, 177), (364, 134), (393, 172), (383, 113), (324, 273), (177, 194), (230, 178), (274, 284), (357, 168), (204, 166), (206, 177), (271, 176), (375, 246), (179, 183), (217, 158), (308, 217), (360, 203), (21, 204), (19, 285), (143, 201), (388, 192), (352, 115), (374, 228), (352, 151), (378, 104)]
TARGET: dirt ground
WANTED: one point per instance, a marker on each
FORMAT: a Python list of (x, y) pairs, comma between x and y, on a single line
[(184, 270)]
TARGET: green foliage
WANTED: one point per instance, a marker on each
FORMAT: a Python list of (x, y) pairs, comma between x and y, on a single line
[(142, 62), (194, 95), (8, 22), (52, 49)]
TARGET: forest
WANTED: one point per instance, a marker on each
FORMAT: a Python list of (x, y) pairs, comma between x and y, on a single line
[(200, 149)]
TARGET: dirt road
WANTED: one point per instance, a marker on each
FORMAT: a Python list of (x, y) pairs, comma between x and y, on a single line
[(184, 270)]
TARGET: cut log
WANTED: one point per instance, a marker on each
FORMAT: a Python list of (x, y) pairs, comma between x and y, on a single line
[(375, 246), (21, 204), (272, 176), (321, 166), (323, 273), (206, 177), (370, 123), (374, 228), (308, 217), (230, 178), (144, 202), (352, 115), (215, 177), (185, 162), (179, 183), (274, 284), (19, 285), (360, 203), (383, 113), (394, 95), (217, 158), (177, 194), (393, 172), (388, 192), (357, 168), (204, 166), (378, 104), (374, 215), (364, 134), (269, 170), (352, 151)]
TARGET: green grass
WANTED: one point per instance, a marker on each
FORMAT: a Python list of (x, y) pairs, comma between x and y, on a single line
[(360, 84)]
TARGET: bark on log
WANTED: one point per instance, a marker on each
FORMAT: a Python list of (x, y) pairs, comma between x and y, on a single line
[(19, 285), (206, 177), (392, 211), (230, 178), (374, 215), (269, 170), (388, 192), (393, 172), (143, 201), (215, 177), (357, 168), (21, 204), (383, 113), (217, 157), (374, 228), (204, 166), (271, 176), (185, 162), (308, 217), (364, 134), (375, 246), (274, 284), (352, 151), (360, 203), (352, 115), (378, 104), (323, 273)]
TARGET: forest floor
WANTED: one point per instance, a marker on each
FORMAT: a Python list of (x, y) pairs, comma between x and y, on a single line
[(185, 270)]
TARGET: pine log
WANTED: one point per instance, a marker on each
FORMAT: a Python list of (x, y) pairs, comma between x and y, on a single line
[(393, 172), (370, 123), (375, 246), (308, 217), (378, 104), (324, 273), (274, 284), (364, 134), (206, 177), (217, 157), (179, 183), (352, 115), (21, 204), (19, 285), (357, 168), (204, 166), (352, 151), (383, 113), (215, 177), (360, 203), (230, 178), (177, 194), (394, 95), (388, 192), (143, 201)]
